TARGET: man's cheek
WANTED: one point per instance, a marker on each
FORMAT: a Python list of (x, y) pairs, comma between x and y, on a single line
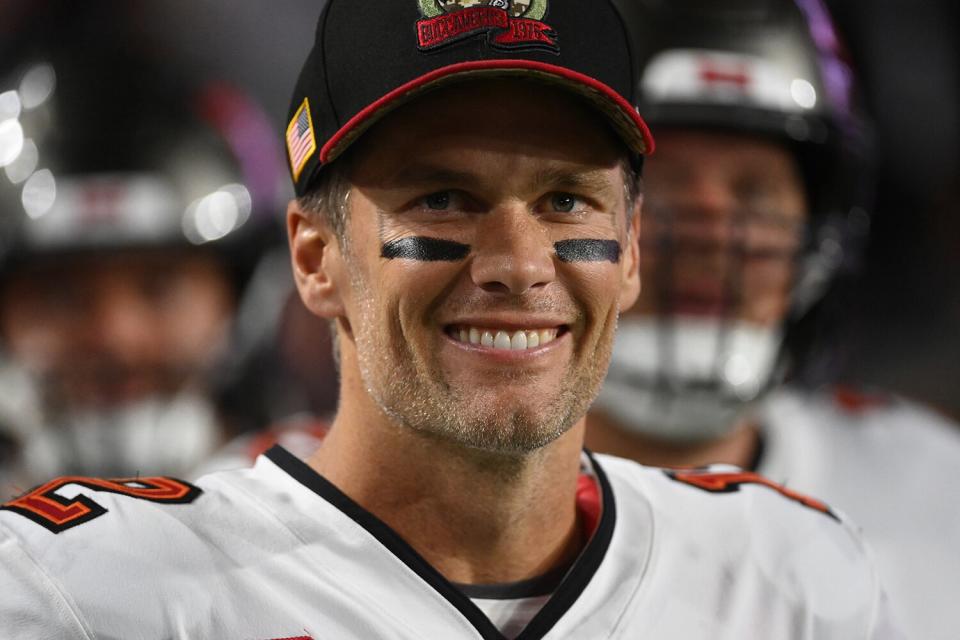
[(595, 285)]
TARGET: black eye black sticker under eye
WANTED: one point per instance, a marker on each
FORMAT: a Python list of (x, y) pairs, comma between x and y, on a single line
[(427, 249), (424, 249), (588, 250)]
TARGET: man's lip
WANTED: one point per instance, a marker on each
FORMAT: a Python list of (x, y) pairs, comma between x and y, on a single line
[(508, 323), (510, 355)]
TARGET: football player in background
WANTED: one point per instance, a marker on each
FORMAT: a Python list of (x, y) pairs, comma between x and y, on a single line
[(757, 197), (135, 207)]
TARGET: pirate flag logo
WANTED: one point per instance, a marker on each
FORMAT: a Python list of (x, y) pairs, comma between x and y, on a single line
[(508, 24)]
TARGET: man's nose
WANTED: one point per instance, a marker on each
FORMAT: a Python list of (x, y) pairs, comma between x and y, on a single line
[(513, 253), (710, 196)]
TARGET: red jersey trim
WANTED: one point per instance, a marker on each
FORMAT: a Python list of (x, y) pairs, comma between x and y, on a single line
[(730, 482)]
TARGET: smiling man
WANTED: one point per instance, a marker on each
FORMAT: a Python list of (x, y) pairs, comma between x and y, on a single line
[(467, 218), (476, 289)]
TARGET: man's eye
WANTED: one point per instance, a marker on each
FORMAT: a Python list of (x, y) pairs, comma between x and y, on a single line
[(439, 201), (563, 202)]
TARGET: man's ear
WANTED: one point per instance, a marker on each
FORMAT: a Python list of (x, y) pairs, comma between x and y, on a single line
[(318, 267), (630, 288)]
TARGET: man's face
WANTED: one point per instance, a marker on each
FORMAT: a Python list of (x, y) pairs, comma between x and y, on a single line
[(469, 321), (723, 221), (105, 330)]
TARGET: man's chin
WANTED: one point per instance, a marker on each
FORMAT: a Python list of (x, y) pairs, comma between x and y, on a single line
[(507, 430)]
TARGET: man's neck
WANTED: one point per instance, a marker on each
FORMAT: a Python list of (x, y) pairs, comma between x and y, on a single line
[(739, 446), (477, 517)]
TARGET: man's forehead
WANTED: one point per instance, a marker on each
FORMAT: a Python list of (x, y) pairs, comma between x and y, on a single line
[(543, 173), (681, 142)]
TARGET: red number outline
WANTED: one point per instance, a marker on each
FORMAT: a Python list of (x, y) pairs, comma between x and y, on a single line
[(56, 513), (730, 482)]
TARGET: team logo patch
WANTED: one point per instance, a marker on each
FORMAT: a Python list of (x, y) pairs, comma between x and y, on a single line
[(508, 24), (301, 143)]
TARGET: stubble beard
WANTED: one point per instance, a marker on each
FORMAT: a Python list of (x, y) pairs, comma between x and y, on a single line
[(410, 389)]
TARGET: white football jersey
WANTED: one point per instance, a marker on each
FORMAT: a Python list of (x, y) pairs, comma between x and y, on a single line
[(277, 551), (894, 468)]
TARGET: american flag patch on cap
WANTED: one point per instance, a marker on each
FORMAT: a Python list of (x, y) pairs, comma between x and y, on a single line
[(301, 143)]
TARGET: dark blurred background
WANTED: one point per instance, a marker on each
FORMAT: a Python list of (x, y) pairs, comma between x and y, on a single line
[(900, 316), (903, 329)]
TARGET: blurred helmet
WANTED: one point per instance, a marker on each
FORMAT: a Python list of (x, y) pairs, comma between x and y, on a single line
[(102, 151), (772, 69)]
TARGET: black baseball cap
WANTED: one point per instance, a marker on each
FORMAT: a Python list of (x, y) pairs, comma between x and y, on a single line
[(371, 56)]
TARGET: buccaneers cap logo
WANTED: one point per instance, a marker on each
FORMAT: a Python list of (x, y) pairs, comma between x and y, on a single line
[(516, 8), (508, 24)]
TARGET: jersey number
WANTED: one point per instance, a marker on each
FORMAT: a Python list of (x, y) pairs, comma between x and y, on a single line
[(730, 481), (45, 507)]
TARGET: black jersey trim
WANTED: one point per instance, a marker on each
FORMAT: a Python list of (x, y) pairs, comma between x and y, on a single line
[(570, 588), (542, 585), (302, 473), (583, 569)]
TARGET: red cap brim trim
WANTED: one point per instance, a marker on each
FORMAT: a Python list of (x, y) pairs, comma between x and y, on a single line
[(404, 90)]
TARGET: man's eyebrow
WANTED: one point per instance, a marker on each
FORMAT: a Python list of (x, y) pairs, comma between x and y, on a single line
[(418, 173), (595, 181)]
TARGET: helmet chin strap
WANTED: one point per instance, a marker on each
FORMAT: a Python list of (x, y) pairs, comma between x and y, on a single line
[(687, 379)]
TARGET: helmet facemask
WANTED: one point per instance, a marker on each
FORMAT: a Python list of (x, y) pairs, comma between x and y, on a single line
[(703, 344), (689, 370)]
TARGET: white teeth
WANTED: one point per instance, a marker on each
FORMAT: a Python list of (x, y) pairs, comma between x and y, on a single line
[(505, 340)]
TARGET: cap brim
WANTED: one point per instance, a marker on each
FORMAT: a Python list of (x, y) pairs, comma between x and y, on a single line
[(623, 116)]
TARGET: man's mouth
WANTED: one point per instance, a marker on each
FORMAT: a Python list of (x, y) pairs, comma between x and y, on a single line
[(502, 339)]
